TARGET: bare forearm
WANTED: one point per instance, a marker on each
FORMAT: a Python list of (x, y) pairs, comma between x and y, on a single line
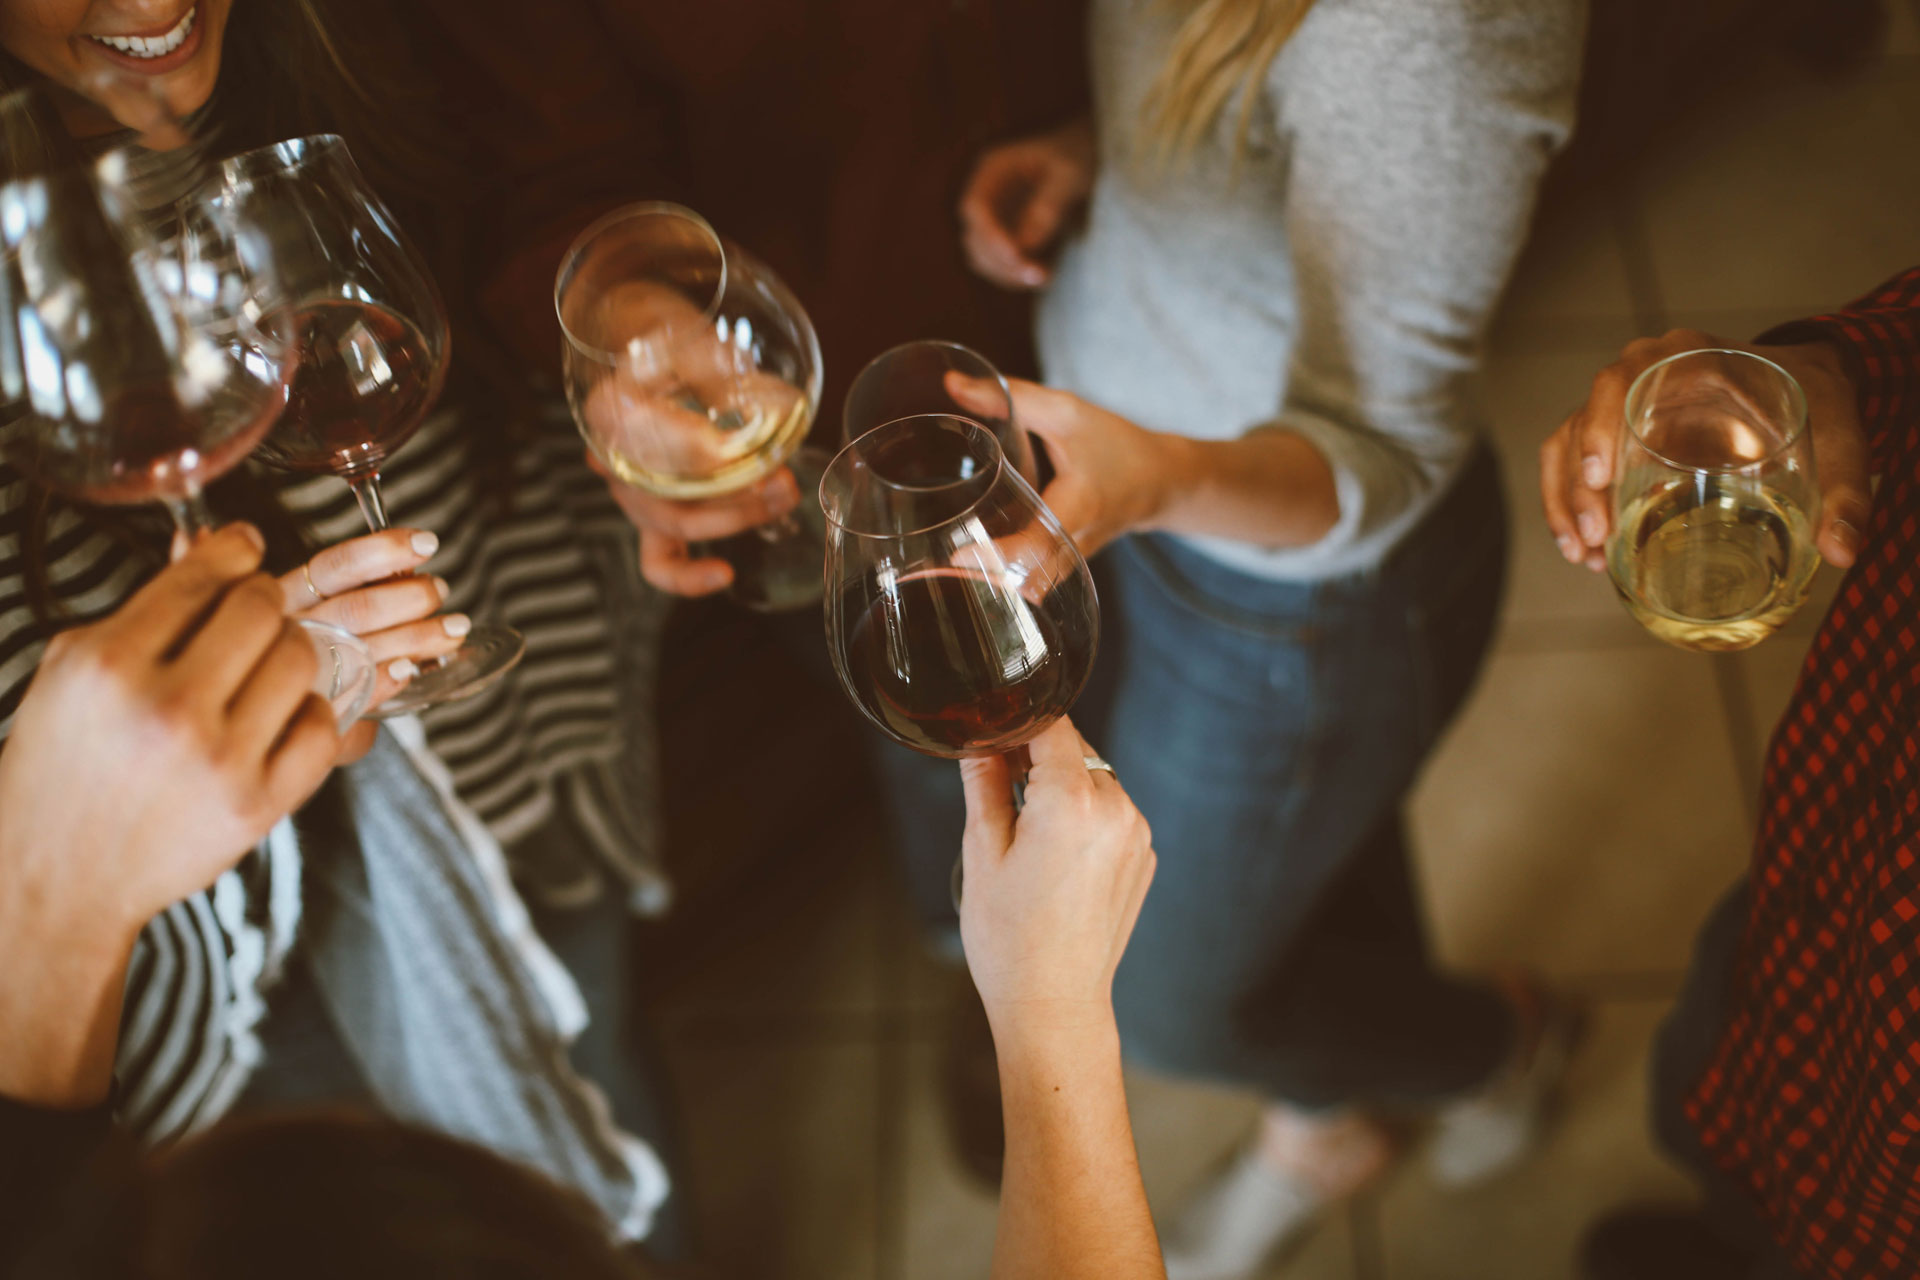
[(1269, 488), (1071, 1203), (60, 997)]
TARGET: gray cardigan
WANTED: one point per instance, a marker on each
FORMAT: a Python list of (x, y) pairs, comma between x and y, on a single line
[(1340, 284)]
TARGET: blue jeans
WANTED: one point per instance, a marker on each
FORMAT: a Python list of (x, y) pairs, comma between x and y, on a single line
[(1270, 731)]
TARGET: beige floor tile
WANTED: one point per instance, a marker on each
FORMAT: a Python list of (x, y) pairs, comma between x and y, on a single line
[(783, 1157), (1769, 671), (1583, 814), (1787, 193), (1526, 1224), (1570, 286), (1180, 1130)]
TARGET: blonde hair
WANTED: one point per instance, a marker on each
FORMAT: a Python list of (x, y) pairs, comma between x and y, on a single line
[(1221, 49)]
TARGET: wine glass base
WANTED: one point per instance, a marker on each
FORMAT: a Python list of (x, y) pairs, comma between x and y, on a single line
[(488, 653)]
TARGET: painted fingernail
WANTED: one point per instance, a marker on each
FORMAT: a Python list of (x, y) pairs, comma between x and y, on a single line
[(1847, 535), (1594, 472), (1592, 528), (402, 669), (1572, 549), (425, 543), (443, 587), (252, 535), (779, 488), (457, 624)]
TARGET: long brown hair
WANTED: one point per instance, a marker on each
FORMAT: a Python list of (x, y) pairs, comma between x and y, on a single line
[(1220, 50)]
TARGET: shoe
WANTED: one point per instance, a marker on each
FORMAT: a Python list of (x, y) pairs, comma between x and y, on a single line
[(1660, 1244), (1488, 1132), (970, 1080), (1268, 1196), (1245, 1216)]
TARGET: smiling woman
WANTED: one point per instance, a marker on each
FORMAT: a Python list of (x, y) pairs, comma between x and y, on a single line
[(72, 40)]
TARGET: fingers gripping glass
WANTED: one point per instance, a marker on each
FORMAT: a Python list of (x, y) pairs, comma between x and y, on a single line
[(130, 370), (371, 346), (693, 373), (1714, 509), (961, 619)]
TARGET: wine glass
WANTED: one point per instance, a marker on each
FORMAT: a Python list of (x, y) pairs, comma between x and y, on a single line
[(693, 373), (1712, 546), (371, 342), (961, 618), (918, 377), (114, 389)]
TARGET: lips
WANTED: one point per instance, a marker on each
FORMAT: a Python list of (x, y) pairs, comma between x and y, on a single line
[(149, 47)]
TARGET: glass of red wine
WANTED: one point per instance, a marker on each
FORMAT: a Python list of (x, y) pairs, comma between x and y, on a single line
[(371, 347), (920, 377), (693, 372), (961, 618), (125, 377)]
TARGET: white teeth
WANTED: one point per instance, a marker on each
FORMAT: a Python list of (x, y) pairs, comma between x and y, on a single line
[(152, 46)]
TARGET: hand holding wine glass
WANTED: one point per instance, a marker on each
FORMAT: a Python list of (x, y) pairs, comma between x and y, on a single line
[(371, 342), (1579, 463), (151, 750), (1052, 890), (694, 374)]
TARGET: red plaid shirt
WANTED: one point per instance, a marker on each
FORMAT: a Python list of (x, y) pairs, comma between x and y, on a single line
[(1813, 1098)]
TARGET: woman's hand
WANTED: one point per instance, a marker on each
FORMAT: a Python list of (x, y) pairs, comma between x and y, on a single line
[(1578, 462), (368, 585), (1111, 476), (1019, 199), (152, 749), (669, 528), (1053, 892)]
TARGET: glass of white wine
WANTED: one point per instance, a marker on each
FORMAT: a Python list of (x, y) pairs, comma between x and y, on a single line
[(1715, 503), (694, 373)]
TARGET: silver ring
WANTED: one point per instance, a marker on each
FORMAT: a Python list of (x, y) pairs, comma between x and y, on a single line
[(1096, 765), (306, 571)]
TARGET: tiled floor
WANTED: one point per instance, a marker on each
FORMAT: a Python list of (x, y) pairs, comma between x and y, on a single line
[(1593, 801)]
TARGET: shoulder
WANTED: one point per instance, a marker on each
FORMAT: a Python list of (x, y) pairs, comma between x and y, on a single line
[(1450, 36)]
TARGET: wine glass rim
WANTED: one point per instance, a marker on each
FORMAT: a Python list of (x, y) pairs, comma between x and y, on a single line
[(919, 344), (973, 428), (289, 155), (605, 222), (1797, 398)]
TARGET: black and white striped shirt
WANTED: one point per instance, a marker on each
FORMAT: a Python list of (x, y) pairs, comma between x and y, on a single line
[(568, 731)]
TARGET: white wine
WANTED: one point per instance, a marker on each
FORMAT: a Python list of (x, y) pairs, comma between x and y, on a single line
[(1708, 564), (741, 448)]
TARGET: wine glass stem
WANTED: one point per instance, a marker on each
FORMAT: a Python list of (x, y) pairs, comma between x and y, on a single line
[(366, 491), (190, 515)]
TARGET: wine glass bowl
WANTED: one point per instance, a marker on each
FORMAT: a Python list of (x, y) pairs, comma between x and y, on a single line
[(692, 371), (366, 317), (960, 617), (1715, 501), (118, 384), (918, 377)]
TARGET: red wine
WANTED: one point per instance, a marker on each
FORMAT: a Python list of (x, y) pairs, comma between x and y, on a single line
[(954, 663), (151, 448), (363, 379)]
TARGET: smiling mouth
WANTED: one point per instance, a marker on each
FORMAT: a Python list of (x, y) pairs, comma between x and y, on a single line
[(151, 46)]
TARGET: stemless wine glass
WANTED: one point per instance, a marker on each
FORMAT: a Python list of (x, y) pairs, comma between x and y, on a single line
[(694, 373), (1712, 546), (917, 377), (372, 347), (961, 618), (115, 391)]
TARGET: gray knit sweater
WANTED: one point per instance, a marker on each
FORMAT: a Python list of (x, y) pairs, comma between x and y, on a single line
[(1339, 286)]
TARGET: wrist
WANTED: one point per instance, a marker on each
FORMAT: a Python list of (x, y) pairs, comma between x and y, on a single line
[(1039, 1032), (1173, 466)]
